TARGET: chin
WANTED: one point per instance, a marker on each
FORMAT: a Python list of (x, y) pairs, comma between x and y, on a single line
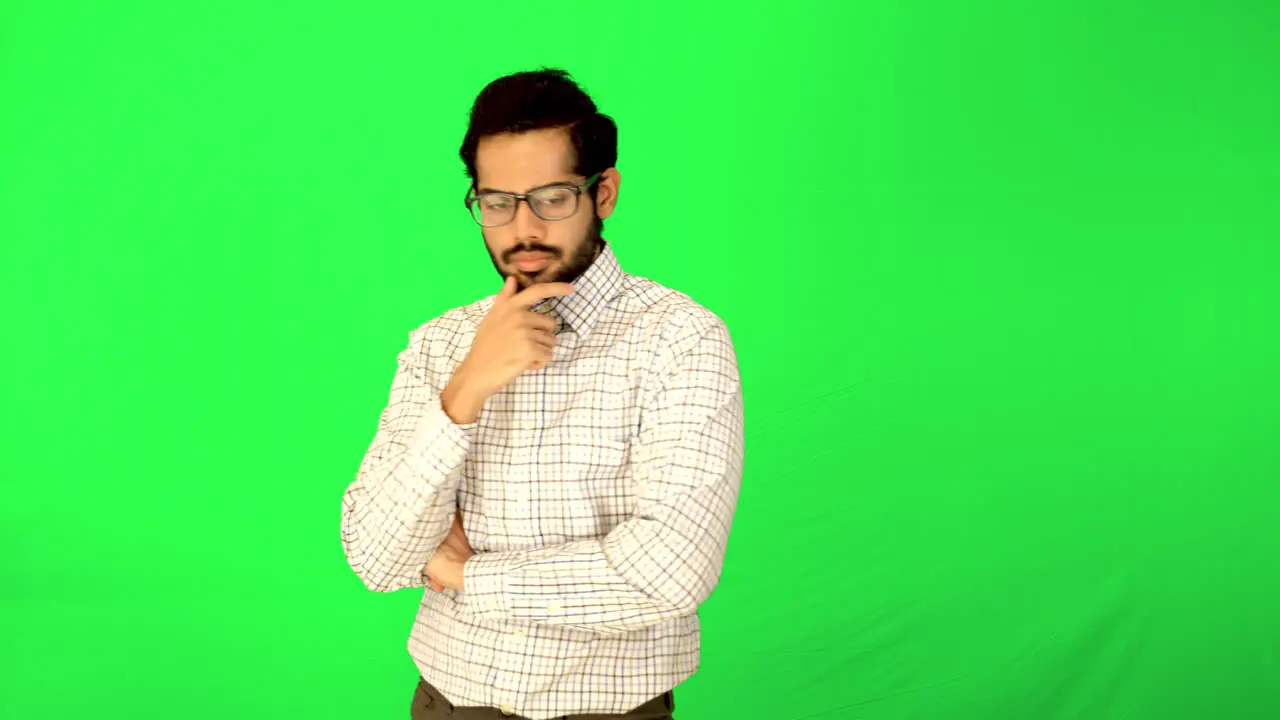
[(546, 274)]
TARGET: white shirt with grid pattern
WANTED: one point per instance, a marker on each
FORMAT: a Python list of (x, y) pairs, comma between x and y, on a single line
[(598, 493)]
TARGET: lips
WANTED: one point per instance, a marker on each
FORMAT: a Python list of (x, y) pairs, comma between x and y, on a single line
[(531, 262)]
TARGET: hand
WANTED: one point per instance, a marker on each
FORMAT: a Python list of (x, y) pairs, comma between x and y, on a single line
[(512, 338), (444, 569)]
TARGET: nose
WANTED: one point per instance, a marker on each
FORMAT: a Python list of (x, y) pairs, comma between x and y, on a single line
[(525, 223)]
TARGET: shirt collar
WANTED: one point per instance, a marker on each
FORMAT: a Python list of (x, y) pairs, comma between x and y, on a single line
[(592, 291)]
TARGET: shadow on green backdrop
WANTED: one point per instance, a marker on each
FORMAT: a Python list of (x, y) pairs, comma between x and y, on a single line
[(1002, 282)]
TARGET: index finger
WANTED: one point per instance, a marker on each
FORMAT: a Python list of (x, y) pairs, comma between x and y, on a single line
[(535, 294)]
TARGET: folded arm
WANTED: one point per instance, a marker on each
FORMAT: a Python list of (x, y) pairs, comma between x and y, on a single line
[(665, 560), (402, 502)]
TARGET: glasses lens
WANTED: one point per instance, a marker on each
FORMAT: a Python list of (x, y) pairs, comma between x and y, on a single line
[(555, 203), (492, 209)]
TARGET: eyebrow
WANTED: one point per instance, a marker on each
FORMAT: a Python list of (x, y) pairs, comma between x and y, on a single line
[(570, 183)]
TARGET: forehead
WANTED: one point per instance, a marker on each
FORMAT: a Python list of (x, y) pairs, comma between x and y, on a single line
[(521, 161)]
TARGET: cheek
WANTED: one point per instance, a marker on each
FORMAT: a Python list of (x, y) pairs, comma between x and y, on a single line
[(567, 233), (496, 241)]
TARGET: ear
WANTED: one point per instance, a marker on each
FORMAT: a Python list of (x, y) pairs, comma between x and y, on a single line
[(607, 192)]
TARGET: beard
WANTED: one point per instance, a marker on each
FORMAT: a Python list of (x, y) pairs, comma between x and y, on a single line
[(564, 267)]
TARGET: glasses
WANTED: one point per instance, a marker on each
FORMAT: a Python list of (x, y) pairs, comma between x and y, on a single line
[(553, 202)]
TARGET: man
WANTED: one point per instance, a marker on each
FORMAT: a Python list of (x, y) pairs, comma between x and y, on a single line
[(560, 462)]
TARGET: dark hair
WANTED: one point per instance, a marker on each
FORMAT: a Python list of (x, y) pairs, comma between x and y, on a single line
[(540, 99)]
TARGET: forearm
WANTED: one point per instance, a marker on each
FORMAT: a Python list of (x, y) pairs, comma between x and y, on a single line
[(401, 504), (582, 591), (646, 571)]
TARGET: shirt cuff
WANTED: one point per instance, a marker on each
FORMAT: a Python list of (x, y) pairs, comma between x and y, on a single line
[(442, 442), (484, 578)]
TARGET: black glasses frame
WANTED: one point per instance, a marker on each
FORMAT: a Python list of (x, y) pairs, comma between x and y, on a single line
[(473, 197)]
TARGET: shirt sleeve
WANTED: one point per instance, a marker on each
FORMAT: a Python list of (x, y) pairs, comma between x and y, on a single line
[(401, 504), (666, 559)]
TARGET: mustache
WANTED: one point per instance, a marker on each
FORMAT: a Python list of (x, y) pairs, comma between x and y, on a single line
[(554, 253)]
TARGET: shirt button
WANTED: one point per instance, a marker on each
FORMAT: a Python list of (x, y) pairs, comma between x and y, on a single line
[(507, 710), (553, 608), (519, 633)]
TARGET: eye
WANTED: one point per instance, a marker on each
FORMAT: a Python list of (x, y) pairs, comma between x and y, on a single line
[(554, 197)]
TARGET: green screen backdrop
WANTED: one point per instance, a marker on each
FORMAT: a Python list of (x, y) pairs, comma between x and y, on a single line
[(1003, 280)]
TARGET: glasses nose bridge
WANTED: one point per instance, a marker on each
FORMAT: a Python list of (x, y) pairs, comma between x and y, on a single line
[(527, 200)]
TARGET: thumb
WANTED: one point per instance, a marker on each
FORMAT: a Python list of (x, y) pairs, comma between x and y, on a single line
[(508, 288)]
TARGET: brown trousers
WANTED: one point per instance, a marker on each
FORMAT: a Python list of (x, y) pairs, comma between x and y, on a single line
[(429, 704)]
